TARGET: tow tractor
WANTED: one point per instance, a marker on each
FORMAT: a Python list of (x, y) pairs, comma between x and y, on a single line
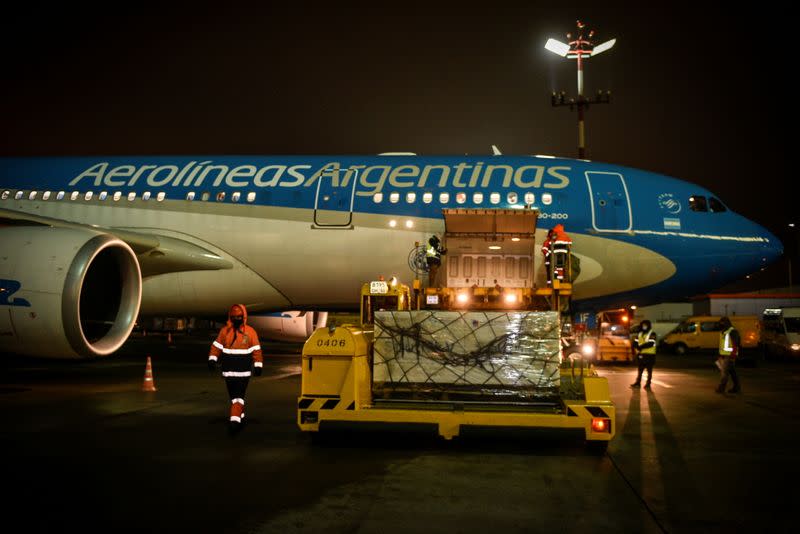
[(483, 350)]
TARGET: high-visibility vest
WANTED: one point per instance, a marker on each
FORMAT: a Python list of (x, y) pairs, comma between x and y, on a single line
[(644, 338), (432, 252), (725, 345)]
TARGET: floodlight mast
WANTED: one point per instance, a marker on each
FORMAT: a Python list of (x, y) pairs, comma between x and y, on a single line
[(579, 48)]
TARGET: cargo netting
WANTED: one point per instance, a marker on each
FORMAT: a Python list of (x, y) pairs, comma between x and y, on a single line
[(482, 356)]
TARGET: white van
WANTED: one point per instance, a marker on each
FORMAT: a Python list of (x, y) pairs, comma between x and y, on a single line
[(781, 332)]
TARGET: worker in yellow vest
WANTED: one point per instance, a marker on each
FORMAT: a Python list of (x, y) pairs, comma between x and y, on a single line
[(729, 347), (645, 347)]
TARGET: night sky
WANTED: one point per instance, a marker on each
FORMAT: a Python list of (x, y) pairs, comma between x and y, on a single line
[(699, 94)]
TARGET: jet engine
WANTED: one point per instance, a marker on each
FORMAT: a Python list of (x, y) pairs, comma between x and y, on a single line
[(288, 325), (66, 292)]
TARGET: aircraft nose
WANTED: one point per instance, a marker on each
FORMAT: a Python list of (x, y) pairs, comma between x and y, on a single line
[(772, 249)]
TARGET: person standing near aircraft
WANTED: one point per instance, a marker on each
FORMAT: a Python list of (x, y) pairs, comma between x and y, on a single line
[(645, 347), (238, 352), (729, 346), (547, 252), (433, 256), (559, 248)]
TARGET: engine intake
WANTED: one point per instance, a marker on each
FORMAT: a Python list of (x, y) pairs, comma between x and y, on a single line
[(78, 292)]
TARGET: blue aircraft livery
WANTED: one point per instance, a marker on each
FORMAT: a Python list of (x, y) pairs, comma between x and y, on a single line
[(304, 232)]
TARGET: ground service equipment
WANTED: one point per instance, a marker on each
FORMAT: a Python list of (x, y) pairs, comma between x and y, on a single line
[(484, 350)]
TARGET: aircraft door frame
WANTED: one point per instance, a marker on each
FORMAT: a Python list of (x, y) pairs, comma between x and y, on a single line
[(329, 194), (610, 202)]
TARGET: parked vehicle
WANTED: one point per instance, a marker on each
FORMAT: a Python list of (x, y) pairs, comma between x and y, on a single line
[(701, 333), (781, 332)]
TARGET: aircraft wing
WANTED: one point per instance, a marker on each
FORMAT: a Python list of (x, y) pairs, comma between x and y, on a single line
[(157, 254)]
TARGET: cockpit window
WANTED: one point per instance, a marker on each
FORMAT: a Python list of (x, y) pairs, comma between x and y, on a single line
[(715, 205), (698, 203)]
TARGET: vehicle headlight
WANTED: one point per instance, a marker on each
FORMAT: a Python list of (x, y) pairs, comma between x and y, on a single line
[(795, 346)]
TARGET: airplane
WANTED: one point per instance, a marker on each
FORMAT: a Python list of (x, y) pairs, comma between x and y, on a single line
[(88, 244)]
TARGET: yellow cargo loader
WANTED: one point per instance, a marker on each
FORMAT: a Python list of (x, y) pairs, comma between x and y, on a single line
[(337, 388), (451, 363)]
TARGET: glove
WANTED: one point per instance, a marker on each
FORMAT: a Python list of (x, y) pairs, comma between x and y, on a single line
[(257, 370), (212, 365)]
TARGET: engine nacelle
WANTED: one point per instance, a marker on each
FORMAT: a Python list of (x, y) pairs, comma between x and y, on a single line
[(66, 293), (287, 326)]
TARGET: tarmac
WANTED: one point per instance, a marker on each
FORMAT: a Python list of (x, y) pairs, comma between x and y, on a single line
[(86, 449)]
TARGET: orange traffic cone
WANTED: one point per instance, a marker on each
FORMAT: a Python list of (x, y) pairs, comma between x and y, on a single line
[(149, 384)]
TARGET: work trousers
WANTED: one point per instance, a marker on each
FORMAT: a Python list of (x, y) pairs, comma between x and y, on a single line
[(237, 387), (646, 361), (728, 369)]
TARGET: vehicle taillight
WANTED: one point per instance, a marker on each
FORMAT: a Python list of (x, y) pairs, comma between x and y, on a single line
[(601, 425)]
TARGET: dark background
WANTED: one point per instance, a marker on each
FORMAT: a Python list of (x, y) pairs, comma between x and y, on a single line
[(700, 93)]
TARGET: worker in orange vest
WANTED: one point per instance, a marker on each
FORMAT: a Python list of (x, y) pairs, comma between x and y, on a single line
[(238, 352), (561, 245)]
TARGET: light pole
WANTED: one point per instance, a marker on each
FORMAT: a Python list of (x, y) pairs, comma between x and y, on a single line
[(579, 48)]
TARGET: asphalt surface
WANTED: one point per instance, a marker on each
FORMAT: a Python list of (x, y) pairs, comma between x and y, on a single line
[(86, 449)]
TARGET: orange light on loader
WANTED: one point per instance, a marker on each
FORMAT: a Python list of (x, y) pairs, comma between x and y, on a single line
[(601, 425)]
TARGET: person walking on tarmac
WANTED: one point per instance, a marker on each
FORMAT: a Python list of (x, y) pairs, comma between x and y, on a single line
[(238, 352), (433, 256), (729, 346), (645, 347)]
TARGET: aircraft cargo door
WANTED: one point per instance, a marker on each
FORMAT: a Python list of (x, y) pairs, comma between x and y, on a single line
[(333, 203), (611, 206)]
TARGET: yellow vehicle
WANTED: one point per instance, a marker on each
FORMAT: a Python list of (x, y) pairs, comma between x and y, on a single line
[(701, 333), (479, 355)]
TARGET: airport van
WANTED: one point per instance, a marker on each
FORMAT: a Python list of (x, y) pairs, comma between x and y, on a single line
[(781, 332), (701, 333)]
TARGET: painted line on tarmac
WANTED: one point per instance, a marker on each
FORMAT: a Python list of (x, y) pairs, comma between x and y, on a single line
[(662, 384)]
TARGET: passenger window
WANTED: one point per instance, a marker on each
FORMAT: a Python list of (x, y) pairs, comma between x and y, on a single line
[(46, 195), (32, 195), (394, 198), (190, 195), (236, 196), (697, 203), (411, 197), (103, 195), (709, 326), (687, 328), (18, 195), (530, 198), (512, 198), (74, 195), (5, 194), (715, 205), (461, 198), (444, 198), (88, 195), (427, 198), (377, 198), (251, 196), (205, 196), (131, 196), (494, 198), (220, 196), (117, 195), (547, 199), (146, 195), (477, 198), (161, 196)]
